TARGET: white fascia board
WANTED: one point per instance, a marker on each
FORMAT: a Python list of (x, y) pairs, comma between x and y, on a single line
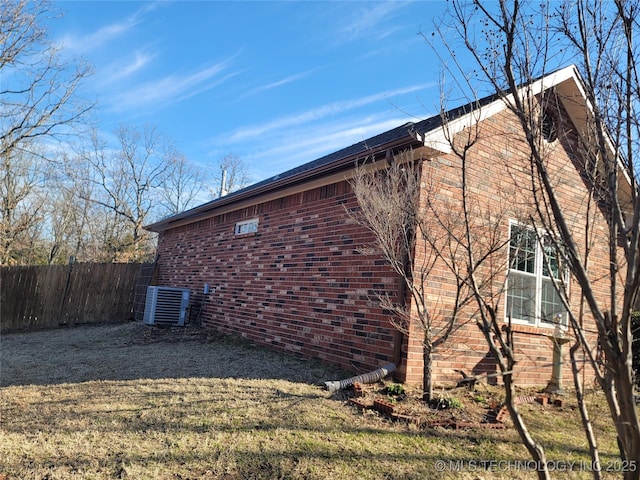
[(437, 139), (566, 80)]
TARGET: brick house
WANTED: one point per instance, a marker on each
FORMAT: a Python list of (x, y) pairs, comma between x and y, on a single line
[(289, 268)]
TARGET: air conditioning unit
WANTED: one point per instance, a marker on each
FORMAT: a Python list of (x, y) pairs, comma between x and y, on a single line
[(166, 306)]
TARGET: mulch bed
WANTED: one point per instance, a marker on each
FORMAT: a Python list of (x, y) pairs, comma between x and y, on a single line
[(455, 408)]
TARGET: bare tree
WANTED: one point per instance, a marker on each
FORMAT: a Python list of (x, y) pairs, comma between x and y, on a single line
[(78, 225), (183, 184), (128, 182), (392, 208), (66, 218), (37, 102), (22, 180), (484, 255), (232, 175), (39, 89)]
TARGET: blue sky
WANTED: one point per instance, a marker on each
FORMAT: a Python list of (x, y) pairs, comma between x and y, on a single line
[(277, 83)]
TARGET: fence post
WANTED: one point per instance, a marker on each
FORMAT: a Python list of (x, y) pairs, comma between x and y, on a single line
[(72, 260)]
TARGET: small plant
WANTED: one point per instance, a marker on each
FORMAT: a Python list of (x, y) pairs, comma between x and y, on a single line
[(453, 402), (394, 389), (446, 403), (479, 399)]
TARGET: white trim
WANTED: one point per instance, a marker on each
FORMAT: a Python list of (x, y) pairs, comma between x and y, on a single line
[(437, 138), (246, 226), (537, 320), (572, 94)]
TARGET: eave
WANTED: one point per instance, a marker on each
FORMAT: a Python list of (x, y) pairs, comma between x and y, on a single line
[(283, 185)]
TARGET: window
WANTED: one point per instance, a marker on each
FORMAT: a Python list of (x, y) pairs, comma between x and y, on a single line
[(533, 264), (246, 226)]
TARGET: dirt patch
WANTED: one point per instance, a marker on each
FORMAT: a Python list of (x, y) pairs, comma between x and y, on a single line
[(135, 351)]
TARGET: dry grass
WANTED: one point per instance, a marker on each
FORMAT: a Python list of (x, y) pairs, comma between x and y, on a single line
[(128, 401)]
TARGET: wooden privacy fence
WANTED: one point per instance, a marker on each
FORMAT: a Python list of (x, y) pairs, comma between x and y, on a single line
[(33, 298)]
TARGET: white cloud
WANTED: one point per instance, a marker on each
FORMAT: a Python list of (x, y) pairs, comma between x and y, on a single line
[(335, 108), (123, 69), (287, 142), (172, 88), (366, 21), (95, 40), (300, 146), (279, 83), (103, 36)]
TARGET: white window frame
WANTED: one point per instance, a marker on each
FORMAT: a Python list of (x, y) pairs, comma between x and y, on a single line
[(542, 284), (246, 226)]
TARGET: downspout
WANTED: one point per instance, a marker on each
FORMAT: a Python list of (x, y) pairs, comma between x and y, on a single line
[(370, 377)]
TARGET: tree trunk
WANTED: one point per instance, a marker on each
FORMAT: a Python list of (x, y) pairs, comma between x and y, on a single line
[(427, 372), (620, 396), (535, 450), (584, 414)]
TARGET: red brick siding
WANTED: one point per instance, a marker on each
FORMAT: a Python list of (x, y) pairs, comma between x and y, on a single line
[(500, 186), (300, 283)]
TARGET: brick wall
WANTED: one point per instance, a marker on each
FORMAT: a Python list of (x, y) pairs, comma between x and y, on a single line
[(301, 283), (499, 183)]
